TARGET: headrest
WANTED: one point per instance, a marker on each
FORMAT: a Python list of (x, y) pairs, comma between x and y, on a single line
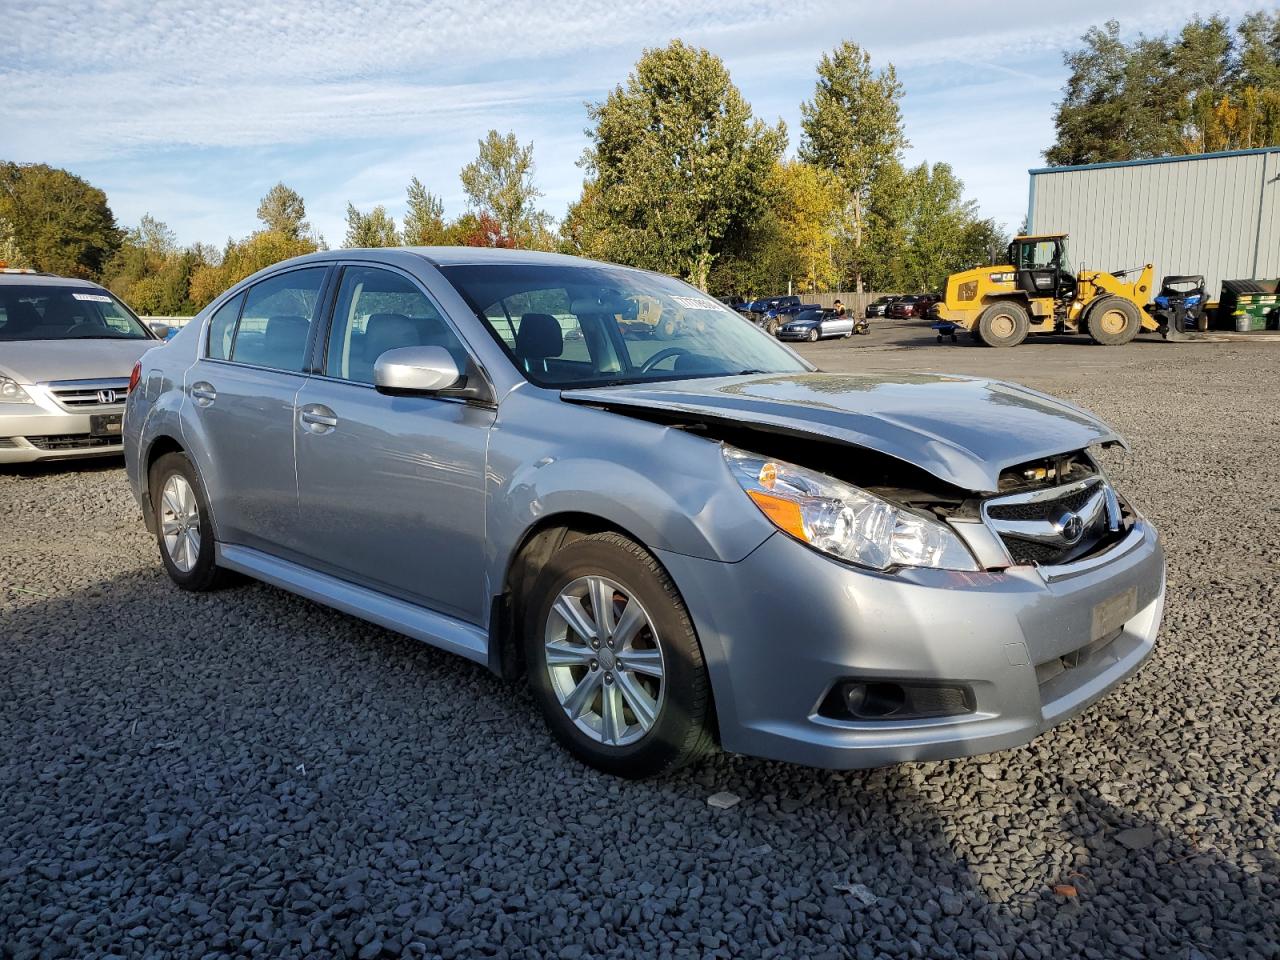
[(539, 337), (386, 331), (285, 327)]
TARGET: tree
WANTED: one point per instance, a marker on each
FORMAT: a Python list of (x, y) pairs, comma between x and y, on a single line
[(853, 127), (799, 241), (677, 164), (424, 224), (1198, 91), (242, 258), (56, 221), (373, 229), (500, 182), (283, 211), (151, 272)]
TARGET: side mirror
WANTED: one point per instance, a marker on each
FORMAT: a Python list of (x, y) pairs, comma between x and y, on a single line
[(416, 370)]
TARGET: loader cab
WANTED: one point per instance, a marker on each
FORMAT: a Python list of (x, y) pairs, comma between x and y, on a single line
[(1041, 266)]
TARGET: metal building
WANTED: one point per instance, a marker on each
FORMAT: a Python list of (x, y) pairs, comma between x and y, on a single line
[(1216, 214)]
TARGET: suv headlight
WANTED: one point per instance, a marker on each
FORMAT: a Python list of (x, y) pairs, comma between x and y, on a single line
[(843, 521), (11, 392)]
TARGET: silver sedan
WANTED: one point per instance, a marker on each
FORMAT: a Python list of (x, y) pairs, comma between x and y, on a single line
[(679, 543)]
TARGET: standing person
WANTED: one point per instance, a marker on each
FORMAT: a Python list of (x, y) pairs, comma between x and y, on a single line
[(840, 310)]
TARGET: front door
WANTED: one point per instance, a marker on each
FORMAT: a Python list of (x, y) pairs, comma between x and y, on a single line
[(391, 489), (242, 390)]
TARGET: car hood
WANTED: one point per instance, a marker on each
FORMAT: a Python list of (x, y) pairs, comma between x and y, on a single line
[(962, 430), (35, 361)]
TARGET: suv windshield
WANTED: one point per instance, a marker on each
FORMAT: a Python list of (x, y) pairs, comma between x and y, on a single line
[(596, 325), (43, 312)]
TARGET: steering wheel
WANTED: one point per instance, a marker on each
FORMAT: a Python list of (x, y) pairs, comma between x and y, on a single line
[(661, 355)]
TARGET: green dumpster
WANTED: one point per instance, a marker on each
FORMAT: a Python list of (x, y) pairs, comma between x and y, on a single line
[(1249, 305)]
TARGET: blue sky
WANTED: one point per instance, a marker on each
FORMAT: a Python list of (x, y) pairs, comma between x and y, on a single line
[(191, 111)]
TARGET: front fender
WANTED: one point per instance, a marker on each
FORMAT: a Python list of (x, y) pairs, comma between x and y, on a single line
[(669, 489)]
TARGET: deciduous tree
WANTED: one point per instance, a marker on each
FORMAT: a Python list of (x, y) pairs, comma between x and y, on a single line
[(373, 229), (677, 163), (853, 127), (283, 211), (56, 221), (500, 182), (424, 224)]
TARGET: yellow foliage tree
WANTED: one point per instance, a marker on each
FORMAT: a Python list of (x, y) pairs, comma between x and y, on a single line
[(809, 205)]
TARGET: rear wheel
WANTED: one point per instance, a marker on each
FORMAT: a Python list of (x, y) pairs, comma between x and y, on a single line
[(613, 659), (1004, 324), (184, 531), (1113, 321)]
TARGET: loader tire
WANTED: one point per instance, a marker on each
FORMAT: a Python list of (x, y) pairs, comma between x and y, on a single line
[(1003, 324), (1113, 321)]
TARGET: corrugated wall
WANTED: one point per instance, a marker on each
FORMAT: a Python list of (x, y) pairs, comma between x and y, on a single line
[(1219, 216)]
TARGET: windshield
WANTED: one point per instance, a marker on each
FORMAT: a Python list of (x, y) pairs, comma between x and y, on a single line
[(42, 312), (594, 325)]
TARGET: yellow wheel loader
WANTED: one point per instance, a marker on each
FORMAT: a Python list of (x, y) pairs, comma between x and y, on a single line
[(1036, 292)]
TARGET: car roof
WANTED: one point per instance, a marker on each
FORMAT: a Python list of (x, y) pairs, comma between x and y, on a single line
[(459, 256), (46, 280)]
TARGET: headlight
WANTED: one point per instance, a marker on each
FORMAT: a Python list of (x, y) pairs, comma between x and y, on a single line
[(841, 520), (11, 392)]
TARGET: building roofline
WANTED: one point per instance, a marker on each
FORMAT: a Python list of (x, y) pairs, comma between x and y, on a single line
[(1036, 171)]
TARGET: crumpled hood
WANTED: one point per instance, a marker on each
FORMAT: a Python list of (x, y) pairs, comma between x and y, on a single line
[(962, 430), (35, 361)]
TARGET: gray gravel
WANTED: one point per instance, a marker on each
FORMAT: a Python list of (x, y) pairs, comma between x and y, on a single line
[(247, 773)]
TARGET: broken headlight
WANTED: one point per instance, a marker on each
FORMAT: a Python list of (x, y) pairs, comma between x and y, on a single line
[(843, 521)]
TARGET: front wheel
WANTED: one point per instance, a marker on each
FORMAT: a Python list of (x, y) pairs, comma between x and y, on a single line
[(184, 531), (613, 659), (1113, 321), (813, 336)]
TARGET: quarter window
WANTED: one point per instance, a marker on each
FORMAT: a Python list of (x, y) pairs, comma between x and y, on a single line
[(379, 310), (222, 327), (276, 320)]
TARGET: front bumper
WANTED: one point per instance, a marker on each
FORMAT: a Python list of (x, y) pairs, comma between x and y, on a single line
[(45, 431), (776, 648), (795, 334)]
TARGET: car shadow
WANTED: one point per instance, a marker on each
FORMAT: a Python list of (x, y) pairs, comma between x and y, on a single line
[(83, 465)]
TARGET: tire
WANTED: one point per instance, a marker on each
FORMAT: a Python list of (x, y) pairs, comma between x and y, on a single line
[(677, 704), (771, 327), (1003, 324), (188, 555), (1113, 321), (813, 336)]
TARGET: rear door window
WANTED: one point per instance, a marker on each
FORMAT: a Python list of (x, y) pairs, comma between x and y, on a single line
[(222, 327)]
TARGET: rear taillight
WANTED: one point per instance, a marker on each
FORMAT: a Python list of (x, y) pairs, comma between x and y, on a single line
[(135, 376)]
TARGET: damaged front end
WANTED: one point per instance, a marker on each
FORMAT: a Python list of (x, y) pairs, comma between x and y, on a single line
[(877, 511)]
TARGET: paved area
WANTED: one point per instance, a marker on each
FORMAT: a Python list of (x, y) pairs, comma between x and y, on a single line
[(249, 774)]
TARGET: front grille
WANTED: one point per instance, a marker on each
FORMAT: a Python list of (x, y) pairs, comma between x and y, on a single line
[(71, 441), (1055, 525), (89, 393)]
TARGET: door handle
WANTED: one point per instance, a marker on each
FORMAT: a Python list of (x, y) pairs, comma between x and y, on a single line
[(318, 418), (203, 393)]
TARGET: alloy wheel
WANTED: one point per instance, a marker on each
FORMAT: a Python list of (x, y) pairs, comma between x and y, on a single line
[(604, 659), (180, 522)]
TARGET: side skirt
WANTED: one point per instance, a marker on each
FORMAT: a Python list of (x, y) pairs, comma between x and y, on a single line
[(439, 630)]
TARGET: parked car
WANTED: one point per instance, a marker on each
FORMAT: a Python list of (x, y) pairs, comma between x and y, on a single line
[(903, 307), (66, 349), (674, 543), (816, 323), (926, 303), (877, 306), (774, 317)]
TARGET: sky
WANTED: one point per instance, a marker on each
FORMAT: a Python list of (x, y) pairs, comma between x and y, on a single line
[(191, 111)]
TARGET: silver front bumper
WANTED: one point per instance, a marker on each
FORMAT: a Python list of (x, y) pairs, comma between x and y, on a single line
[(781, 627), (47, 430)]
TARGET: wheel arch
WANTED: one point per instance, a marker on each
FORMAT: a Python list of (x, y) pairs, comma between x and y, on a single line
[(159, 445)]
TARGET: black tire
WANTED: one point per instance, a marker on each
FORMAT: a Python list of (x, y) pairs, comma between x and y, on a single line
[(203, 574), (1003, 324), (683, 729), (771, 327), (1113, 321), (813, 335)]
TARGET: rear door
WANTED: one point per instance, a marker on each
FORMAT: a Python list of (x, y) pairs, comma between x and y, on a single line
[(391, 488), (242, 392)]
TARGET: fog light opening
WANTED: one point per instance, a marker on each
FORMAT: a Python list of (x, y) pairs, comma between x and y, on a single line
[(874, 701), (856, 699)]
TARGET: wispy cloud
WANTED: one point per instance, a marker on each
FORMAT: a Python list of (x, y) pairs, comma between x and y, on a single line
[(191, 110)]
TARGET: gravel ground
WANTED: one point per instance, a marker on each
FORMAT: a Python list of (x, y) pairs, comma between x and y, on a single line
[(247, 773)]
